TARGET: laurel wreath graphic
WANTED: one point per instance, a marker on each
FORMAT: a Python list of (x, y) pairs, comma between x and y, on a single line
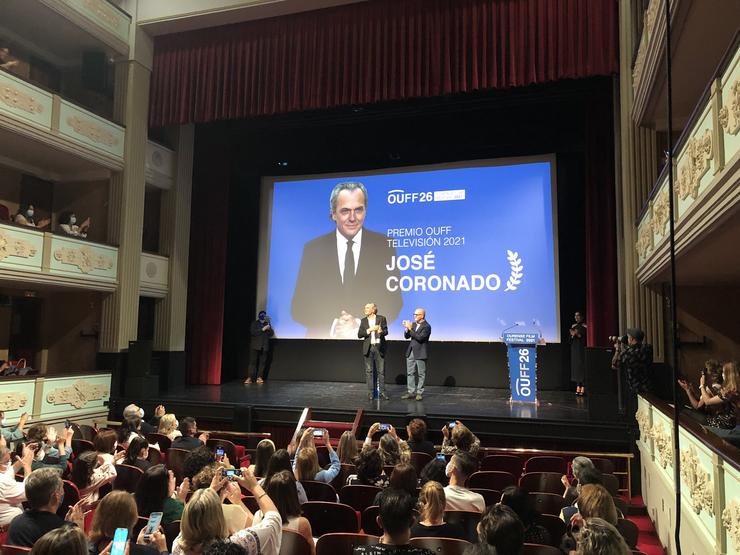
[(517, 271)]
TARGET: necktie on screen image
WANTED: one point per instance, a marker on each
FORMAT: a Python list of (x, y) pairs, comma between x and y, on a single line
[(349, 265)]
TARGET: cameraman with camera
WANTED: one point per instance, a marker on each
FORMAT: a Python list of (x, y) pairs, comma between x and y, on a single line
[(634, 356)]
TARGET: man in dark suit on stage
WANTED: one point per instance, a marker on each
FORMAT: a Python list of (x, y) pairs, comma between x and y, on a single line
[(341, 269), (416, 353), (373, 329), (259, 349)]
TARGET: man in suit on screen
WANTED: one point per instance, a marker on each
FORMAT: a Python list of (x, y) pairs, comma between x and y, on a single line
[(341, 269), (373, 329)]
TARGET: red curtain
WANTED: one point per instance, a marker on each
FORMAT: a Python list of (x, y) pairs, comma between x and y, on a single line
[(375, 51), (207, 261)]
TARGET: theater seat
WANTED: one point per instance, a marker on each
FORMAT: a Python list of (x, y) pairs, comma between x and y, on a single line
[(538, 549), (342, 544), (326, 518), (443, 546), (294, 543)]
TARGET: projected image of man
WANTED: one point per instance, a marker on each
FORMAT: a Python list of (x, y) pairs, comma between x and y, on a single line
[(341, 269)]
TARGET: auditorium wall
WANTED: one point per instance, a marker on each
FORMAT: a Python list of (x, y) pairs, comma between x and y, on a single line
[(69, 331)]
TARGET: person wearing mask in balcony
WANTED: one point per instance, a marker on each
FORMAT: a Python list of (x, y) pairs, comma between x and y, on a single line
[(25, 216), (69, 225)]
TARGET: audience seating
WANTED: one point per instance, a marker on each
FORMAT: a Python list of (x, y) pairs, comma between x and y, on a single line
[(341, 479), (546, 464), (176, 461), (468, 520), (326, 517), (548, 503), (71, 496), (127, 477), (294, 543), (319, 491), (89, 514), (155, 456), (388, 469), (491, 479), (358, 497), (538, 549), (139, 526), (605, 466), (4, 213), (503, 463), (611, 483), (554, 525), (171, 531), (621, 505), (343, 544), (419, 460), (444, 546), (629, 531), (369, 521), (250, 501), (80, 446), (155, 438), (545, 482), (491, 496), (14, 550)]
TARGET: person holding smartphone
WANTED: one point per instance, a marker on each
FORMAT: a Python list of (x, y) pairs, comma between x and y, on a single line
[(392, 449), (306, 465)]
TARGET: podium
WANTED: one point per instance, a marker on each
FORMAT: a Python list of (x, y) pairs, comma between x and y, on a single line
[(522, 355)]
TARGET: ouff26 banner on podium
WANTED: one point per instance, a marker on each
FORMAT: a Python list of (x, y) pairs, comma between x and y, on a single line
[(474, 244)]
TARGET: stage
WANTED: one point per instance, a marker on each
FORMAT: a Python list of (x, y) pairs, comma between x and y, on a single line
[(562, 420)]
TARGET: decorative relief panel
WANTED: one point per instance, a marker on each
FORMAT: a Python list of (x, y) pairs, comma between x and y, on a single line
[(731, 521), (698, 156), (12, 400), (12, 97), (649, 19), (84, 258), (644, 239), (661, 212), (24, 101), (79, 394), (14, 246), (729, 114), (663, 445), (701, 488), (92, 131)]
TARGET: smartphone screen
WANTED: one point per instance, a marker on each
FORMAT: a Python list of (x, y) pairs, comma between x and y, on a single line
[(318, 433), (67, 423), (153, 524), (119, 541), (384, 427), (441, 457), (219, 455), (451, 424)]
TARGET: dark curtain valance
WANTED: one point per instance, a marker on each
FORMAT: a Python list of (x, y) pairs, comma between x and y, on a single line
[(375, 51)]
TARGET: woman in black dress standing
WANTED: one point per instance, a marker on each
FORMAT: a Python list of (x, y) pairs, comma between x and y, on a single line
[(578, 353)]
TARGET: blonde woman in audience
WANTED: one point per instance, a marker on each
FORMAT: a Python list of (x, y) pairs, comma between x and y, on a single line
[(596, 501), (203, 522), (306, 466), (347, 448), (265, 449), (431, 515), (236, 513), (459, 439), (281, 489), (392, 449), (598, 537), (168, 425), (725, 400), (68, 539)]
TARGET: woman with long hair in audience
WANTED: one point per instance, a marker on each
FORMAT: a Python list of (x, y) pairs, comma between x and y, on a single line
[(281, 489), (725, 400), (369, 469), (392, 449), (118, 510), (105, 444), (279, 461), (598, 537), (500, 528), (89, 473), (594, 501), (459, 439), (432, 523), (67, 539), (435, 471), (262, 454), (523, 505), (156, 492), (236, 513), (347, 448), (137, 454), (404, 478), (168, 425), (307, 460), (203, 521)]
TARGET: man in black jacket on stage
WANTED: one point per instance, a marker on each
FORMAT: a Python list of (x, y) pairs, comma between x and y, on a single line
[(261, 331), (416, 353), (373, 329)]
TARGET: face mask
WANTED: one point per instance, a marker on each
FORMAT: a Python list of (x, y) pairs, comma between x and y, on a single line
[(73, 220), (177, 424), (141, 413), (52, 435), (115, 444), (41, 453), (448, 469), (2, 422), (29, 213)]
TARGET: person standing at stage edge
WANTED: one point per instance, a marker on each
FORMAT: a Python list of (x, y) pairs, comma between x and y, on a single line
[(578, 353), (259, 349), (634, 357), (416, 353), (373, 329)]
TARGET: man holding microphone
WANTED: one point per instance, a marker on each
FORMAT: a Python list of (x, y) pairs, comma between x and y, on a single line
[(373, 329)]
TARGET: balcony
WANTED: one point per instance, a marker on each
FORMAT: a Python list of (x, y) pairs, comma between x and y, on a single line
[(696, 53), (154, 275), (31, 256), (38, 125), (707, 191)]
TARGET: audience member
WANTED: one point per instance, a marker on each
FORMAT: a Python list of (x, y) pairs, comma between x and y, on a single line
[(596, 501), (460, 498), (307, 460), (598, 537), (118, 510), (502, 529), (25, 216), (587, 475), (713, 371), (203, 522), (188, 441), (52, 451), (281, 489), (404, 478), (279, 461), (105, 444), (265, 449), (435, 471), (12, 492), (137, 453), (523, 504), (67, 539), (396, 517), (156, 492), (12, 433), (432, 511), (459, 439), (577, 465), (392, 449), (418, 442), (224, 547), (133, 411), (197, 460), (89, 473), (369, 467), (725, 400), (236, 513), (347, 448), (168, 425), (44, 493), (68, 224)]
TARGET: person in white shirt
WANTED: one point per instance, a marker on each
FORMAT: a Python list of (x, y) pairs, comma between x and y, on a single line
[(460, 498), (373, 329), (12, 492), (69, 225)]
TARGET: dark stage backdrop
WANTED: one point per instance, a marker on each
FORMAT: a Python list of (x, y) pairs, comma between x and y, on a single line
[(535, 120)]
